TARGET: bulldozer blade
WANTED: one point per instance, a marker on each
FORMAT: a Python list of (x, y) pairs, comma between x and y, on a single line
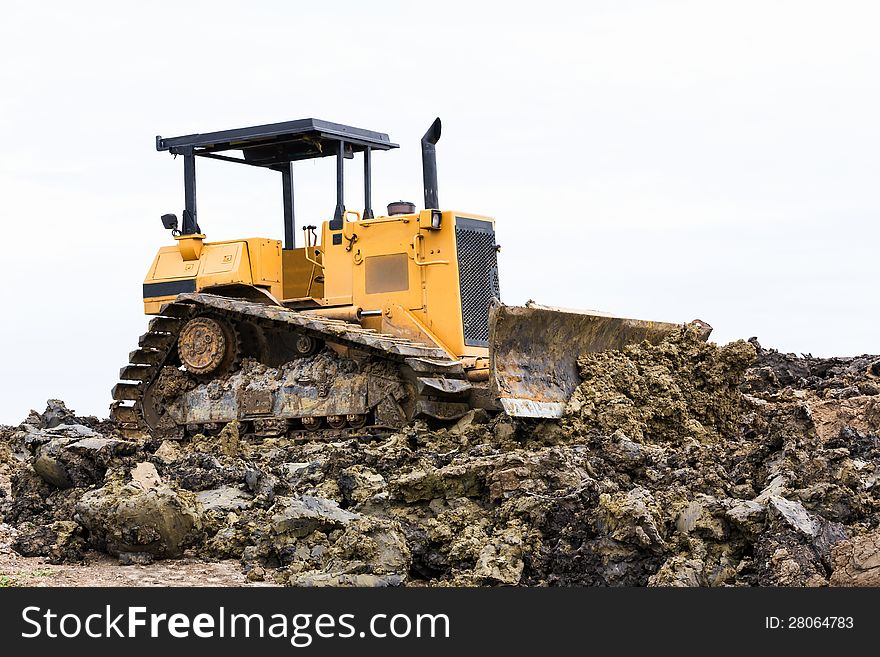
[(534, 351)]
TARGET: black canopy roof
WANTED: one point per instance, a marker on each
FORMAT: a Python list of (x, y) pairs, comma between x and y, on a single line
[(275, 145)]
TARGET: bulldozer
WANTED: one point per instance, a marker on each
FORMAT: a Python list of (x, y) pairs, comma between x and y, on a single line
[(370, 322)]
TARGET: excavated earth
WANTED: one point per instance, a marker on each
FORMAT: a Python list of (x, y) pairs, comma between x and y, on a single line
[(682, 464)]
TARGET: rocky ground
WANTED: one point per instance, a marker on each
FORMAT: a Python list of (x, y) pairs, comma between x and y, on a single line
[(682, 464)]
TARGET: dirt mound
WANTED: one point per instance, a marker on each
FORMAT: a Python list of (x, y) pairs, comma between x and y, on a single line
[(834, 378), (681, 388), (681, 464)]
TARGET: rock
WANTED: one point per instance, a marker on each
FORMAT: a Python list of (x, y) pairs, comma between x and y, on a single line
[(126, 517), (776, 487), (262, 484), (663, 473), (168, 451), (504, 430), (748, 516), (135, 558), (228, 441), (856, 562), (506, 482), (822, 534), (301, 516), (630, 517), (795, 515), (8, 534), (56, 413), (60, 541), (74, 455), (294, 471), (470, 419), (145, 476), (359, 483), (450, 481), (704, 517), (256, 574), (224, 499), (95, 445), (680, 571), (687, 518), (627, 452), (360, 580), (52, 471), (370, 545), (500, 562), (197, 470)]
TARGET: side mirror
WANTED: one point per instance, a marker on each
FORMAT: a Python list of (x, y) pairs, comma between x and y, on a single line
[(169, 221)]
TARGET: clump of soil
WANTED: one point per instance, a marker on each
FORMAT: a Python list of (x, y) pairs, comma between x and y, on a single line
[(681, 464), (678, 389)]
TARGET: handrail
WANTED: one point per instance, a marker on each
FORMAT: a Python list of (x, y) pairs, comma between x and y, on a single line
[(418, 237), (353, 237)]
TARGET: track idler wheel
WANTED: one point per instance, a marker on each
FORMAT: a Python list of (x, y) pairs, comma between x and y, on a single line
[(207, 345), (306, 345), (312, 423), (336, 421), (356, 421)]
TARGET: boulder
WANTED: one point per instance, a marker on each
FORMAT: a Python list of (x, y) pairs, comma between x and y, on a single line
[(301, 516), (142, 514), (223, 499), (71, 455), (450, 481)]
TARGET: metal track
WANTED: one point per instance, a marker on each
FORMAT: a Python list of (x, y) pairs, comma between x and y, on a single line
[(441, 383)]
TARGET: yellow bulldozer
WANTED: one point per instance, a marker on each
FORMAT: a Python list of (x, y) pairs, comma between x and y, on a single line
[(371, 322)]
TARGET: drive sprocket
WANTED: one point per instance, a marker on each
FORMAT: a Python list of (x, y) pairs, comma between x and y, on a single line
[(207, 345)]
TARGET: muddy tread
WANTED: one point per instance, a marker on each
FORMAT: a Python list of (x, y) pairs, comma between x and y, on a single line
[(157, 345)]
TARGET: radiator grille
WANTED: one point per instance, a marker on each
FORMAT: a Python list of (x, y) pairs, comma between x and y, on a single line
[(478, 277)]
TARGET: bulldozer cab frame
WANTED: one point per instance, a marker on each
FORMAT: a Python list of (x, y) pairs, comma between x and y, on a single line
[(277, 146)]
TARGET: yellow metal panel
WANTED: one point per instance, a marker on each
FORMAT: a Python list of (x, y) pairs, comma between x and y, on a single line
[(397, 321), (431, 298), (153, 306), (301, 278), (224, 263), (378, 239), (386, 273), (266, 266), (169, 265), (266, 255), (219, 263), (220, 258), (441, 313), (338, 263)]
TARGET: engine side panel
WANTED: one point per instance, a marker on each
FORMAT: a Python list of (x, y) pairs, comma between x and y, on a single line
[(193, 265)]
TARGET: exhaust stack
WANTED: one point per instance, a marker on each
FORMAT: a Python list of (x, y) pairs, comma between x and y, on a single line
[(429, 165)]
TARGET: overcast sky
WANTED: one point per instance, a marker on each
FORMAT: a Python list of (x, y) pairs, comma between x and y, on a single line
[(661, 160)]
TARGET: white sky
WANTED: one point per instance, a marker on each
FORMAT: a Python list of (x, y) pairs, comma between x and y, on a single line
[(663, 160)]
